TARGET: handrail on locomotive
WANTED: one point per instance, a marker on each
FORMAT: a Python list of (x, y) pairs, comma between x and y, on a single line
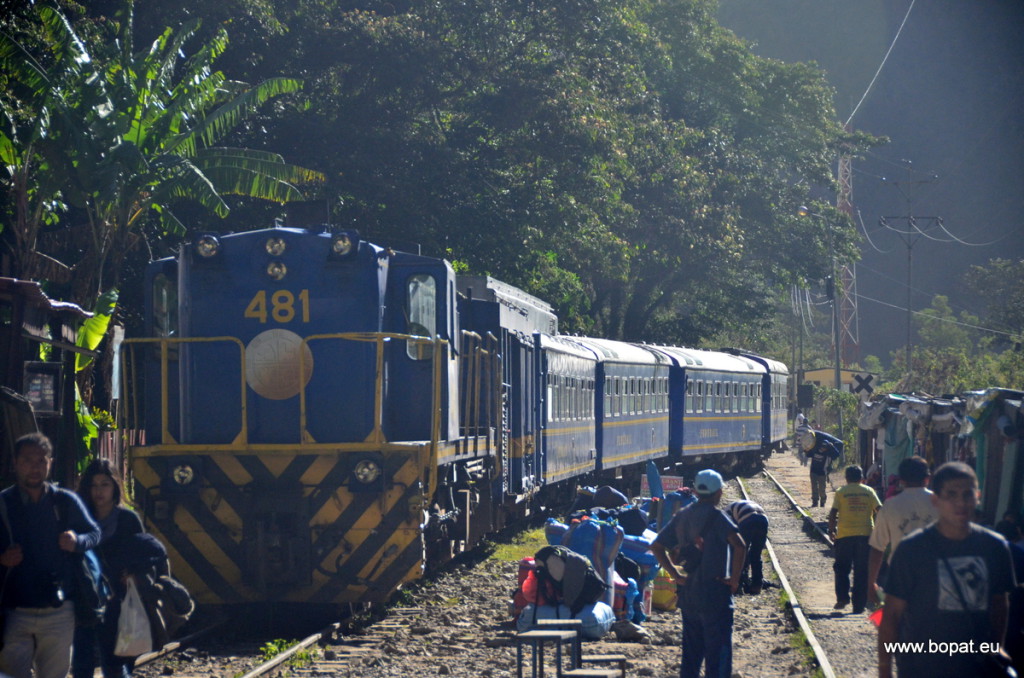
[(471, 406)]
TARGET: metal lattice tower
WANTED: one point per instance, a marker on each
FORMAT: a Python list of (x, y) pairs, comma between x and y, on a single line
[(849, 323)]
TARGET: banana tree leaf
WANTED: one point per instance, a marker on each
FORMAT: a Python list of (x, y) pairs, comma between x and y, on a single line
[(95, 328)]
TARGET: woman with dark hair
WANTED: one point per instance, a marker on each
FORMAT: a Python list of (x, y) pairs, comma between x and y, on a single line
[(100, 491)]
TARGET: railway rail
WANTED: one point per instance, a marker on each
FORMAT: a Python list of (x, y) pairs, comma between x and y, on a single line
[(843, 643)]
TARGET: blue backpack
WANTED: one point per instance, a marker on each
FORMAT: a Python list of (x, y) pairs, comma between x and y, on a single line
[(90, 590)]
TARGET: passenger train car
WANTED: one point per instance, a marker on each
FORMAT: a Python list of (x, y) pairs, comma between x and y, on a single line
[(324, 418)]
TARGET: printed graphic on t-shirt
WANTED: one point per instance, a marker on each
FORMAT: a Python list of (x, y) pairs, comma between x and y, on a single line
[(912, 522), (971, 574)]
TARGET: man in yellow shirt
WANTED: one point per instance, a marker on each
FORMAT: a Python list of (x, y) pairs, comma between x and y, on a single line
[(849, 524)]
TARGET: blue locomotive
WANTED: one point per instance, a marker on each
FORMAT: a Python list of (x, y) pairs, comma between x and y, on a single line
[(323, 418)]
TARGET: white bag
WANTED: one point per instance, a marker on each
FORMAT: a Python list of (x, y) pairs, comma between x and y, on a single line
[(133, 633)]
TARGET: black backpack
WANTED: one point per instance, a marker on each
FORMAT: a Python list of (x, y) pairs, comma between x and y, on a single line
[(573, 577), (692, 554)]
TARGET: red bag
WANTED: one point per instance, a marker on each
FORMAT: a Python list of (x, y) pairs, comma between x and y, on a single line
[(526, 566)]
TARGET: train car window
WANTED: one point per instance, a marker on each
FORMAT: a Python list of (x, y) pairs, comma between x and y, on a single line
[(709, 397), (574, 399), (421, 313), (566, 398), (563, 398), (165, 306), (689, 396), (453, 320), (549, 405)]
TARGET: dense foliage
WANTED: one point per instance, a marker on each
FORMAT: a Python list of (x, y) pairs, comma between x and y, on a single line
[(631, 161), (99, 139)]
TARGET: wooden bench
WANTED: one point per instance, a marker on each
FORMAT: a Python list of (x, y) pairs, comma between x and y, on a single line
[(579, 659), (574, 625), (537, 639), (619, 659)]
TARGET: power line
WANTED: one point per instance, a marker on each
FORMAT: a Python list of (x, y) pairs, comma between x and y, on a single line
[(867, 235), (932, 317), (882, 65)]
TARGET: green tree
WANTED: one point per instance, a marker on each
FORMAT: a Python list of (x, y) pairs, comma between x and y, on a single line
[(631, 161), (998, 288), (939, 327), (117, 136)]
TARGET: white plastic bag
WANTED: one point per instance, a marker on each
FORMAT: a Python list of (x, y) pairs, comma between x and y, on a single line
[(133, 633)]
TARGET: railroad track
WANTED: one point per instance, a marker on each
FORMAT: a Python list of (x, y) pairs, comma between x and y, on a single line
[(844, 644), (460, 629), (322, 653)]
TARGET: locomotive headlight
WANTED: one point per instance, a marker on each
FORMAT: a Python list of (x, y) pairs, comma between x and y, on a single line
[(366, 471), (275, 247), (276, 270), (183, 474), (341, 244), (207, 246)]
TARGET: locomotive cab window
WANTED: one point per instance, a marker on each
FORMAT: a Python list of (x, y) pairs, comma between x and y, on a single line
[(165, 307), (421, 314)]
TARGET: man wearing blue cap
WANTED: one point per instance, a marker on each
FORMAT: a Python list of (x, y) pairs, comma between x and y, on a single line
[(701, 549)]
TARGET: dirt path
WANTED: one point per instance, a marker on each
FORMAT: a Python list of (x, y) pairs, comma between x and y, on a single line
[(848, 639)]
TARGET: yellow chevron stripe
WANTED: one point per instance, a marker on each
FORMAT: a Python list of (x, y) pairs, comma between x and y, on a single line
[(183, 571), (145, 474), (210, 549), (232, 469)]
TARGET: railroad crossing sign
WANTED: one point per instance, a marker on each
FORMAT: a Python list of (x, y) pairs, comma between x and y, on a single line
[(862, 385)]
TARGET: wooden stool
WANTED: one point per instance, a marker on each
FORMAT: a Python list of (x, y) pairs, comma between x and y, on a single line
[(537, 639), (574, 625), (619, 659)]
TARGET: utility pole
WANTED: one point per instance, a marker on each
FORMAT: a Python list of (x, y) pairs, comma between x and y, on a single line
[(913, 229), (831, 284)]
